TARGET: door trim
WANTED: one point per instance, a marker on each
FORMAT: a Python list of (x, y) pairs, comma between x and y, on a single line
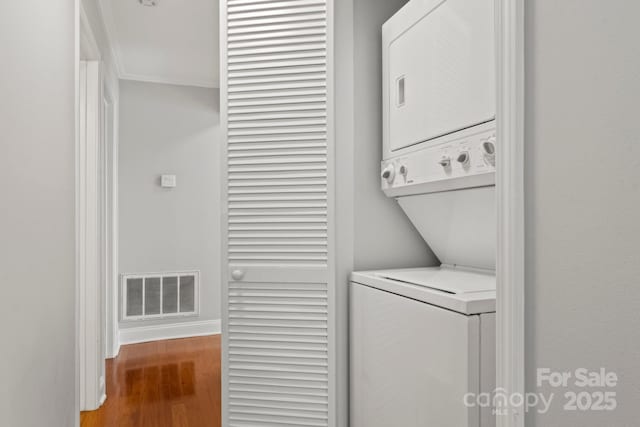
[(110, 132), (92, 233), (224, 215), (510, 349), (89, 235)]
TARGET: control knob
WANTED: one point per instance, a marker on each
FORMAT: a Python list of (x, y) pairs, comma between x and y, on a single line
[(489, 149), (445, 161), (463, 158), (389, 173), (489, 146)]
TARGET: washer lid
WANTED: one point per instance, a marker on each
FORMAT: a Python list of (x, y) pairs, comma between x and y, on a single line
[(457, 289), (452, 281)]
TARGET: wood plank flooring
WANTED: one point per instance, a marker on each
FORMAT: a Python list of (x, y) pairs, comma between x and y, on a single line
[(172, 383)]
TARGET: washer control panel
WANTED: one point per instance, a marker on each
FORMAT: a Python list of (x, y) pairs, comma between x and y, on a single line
[(462, 162)]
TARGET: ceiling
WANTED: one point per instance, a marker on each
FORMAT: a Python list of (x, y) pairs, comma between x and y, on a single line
[(174, 42)]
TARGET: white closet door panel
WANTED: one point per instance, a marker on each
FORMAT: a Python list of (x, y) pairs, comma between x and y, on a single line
[(277, 348), (277, 369)]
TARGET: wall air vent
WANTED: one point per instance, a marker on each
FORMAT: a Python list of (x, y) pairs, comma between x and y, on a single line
[(160, 295)]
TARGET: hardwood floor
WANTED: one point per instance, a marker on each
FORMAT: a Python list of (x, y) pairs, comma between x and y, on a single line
[(172, 383)]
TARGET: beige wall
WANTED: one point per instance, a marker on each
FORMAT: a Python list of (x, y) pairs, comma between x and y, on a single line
[(37, 243), (583, 198)]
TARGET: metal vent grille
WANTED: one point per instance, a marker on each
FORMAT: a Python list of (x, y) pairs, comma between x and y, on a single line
[(160, 295)]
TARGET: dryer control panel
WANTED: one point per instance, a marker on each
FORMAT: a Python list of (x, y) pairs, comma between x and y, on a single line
[(463, 160)]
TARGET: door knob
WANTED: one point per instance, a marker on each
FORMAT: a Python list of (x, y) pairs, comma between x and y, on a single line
[(237, 274)]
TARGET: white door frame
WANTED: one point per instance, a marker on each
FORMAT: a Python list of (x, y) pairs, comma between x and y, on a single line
[(96, 220), (110, 137), (510, 363), (90, 237)]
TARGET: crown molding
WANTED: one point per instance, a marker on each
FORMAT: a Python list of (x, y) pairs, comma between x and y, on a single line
[(107, 19)]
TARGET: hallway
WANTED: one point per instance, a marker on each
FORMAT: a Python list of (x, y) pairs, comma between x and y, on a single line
[(172, 383)]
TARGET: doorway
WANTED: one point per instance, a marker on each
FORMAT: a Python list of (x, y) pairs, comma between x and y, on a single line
[(147, 196)]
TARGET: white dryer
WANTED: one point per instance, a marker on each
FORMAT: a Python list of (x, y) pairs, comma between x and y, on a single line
[(422, 341)]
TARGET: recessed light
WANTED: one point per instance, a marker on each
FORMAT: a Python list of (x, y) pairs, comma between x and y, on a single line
[(149, 3)]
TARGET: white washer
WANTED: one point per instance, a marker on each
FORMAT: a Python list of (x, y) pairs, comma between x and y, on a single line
[(421, 339)]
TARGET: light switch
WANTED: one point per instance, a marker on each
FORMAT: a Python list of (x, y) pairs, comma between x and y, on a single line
[(167, 181)]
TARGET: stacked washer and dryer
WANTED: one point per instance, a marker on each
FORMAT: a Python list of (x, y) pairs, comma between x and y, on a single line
[(423, 340)]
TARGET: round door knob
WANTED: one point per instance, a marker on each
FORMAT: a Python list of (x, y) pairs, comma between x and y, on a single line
[(388, 173), (237, 274), (463, 157)]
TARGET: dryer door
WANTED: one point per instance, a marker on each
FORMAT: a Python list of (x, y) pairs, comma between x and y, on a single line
[(439, 70)]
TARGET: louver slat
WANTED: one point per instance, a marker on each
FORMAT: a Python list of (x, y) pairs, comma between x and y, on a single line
[(277, 335)]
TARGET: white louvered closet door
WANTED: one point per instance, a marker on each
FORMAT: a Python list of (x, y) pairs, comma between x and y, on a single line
[(276, 311)]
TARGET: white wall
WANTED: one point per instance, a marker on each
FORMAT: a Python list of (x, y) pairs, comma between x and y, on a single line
[(37, 239), (583, 198), (383, 235), (175, 130)]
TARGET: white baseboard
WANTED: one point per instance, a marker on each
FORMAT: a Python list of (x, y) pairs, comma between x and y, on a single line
[(166, 332), (116, 348)]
